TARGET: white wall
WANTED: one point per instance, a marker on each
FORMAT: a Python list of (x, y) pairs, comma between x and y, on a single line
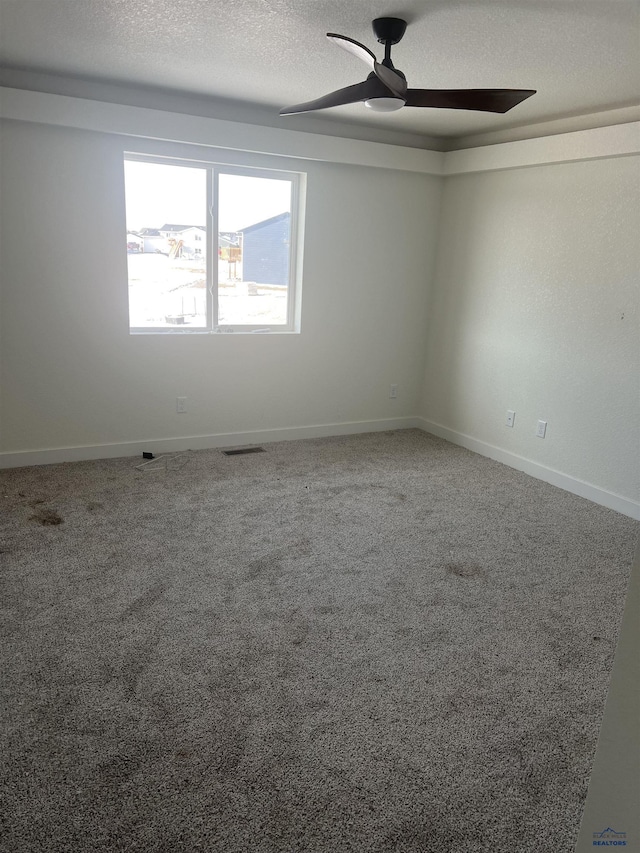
[(535, 308), (72, 375)]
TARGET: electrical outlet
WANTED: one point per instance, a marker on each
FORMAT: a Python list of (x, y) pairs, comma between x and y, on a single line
[(541, 430), (181, 405), (393, 392), (511, 418)]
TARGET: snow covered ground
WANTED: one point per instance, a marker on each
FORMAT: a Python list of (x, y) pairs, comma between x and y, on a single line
[(161, 288)]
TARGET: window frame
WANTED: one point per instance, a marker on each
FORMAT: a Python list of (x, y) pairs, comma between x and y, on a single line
[(213, 171)]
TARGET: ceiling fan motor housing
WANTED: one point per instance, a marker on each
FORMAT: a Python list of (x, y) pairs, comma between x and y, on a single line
[(389, 30)]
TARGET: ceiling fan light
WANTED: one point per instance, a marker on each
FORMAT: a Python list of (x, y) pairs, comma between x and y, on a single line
[(384, 105)]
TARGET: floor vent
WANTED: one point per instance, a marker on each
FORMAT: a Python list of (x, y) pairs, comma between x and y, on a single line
[(242, 450)]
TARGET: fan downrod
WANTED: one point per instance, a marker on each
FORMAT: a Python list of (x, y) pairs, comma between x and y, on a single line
[(389, 31)]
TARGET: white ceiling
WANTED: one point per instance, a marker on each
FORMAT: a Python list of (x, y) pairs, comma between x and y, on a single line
[(582, 56)]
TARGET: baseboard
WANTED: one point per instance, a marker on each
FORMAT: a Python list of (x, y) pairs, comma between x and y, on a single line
[(19, 459), (535, 469)]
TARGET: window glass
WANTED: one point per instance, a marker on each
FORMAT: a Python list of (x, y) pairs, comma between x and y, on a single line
[(166, 209), (209, 248), (254, 241)]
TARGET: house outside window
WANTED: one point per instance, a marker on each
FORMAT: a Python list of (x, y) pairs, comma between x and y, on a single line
[(243, 274)]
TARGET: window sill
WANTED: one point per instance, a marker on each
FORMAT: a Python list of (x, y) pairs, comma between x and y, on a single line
[(182, 332)]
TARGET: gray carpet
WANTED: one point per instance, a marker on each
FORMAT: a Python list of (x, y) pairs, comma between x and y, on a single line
[(369, 643)]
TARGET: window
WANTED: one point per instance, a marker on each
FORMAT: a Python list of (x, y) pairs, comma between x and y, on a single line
[(242, 275)]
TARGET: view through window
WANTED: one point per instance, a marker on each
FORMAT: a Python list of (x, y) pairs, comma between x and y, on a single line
[(181, 276)]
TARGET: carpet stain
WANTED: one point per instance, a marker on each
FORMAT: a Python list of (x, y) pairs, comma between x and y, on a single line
[(298, 633), (92, 506), (118, 770), (416, 837), (262, 565), (134, 665), (464, 570), (316, 704), (228, 743), (46, 517), (144, 601), (273, 562)]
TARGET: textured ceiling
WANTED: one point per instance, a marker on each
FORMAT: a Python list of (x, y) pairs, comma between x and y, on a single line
[(581, 55)]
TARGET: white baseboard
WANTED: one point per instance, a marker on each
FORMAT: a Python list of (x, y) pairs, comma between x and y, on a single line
[(535, 469), (50, 456)]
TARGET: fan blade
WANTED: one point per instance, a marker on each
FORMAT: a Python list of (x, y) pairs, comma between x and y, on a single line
[(393, 81), (354, 47), (371, 88), (486, 100)]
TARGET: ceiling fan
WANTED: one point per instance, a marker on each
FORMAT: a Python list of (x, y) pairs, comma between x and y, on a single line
[(385, 89)]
